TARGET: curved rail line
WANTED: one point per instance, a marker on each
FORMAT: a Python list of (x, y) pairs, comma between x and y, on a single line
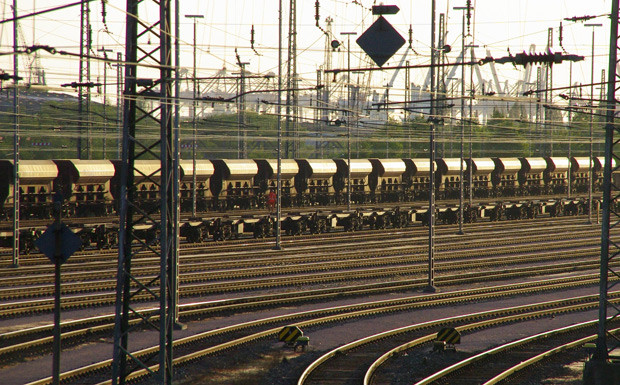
[(521, 344), (309, 376), (329, 315), (14, 340)]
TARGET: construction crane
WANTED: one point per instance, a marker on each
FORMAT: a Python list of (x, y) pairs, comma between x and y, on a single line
[(34, 69)]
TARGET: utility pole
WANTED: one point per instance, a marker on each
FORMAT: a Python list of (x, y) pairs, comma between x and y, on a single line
[(133, 212), (549, 92), (348, 114), (472, 93), (462, 182), (431, 193), (242, 146), (600, 370), (194, 106), (84, 77), (16, 196), (119, 103), (570, 122), (105, 97), (278, 245), (590, 168), (291, 85)]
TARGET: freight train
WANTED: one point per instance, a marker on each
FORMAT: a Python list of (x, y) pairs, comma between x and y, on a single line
[(90, 188)]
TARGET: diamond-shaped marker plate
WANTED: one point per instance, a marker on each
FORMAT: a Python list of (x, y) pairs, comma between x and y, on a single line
[(69, 243), (380, 41)]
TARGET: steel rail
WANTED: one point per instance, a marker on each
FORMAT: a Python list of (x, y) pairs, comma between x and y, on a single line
[(193, 272), (511, 345), (81, 300), (245, 303), (298, 317), (342, 350)]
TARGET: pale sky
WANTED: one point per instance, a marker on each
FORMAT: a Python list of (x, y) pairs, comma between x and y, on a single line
[(499, 26)]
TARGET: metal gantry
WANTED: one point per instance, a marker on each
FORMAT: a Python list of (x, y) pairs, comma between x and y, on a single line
[(599, 370), (148, 78)]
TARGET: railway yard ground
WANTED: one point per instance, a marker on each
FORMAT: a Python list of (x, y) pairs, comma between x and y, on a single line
[(358, 296)]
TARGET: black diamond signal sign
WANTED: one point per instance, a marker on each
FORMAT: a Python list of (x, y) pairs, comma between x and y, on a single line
[(380, 41)]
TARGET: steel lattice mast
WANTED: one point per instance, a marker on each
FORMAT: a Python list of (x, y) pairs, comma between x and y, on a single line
[(84, 76), (599, 370), (148, 82), (292, 102)]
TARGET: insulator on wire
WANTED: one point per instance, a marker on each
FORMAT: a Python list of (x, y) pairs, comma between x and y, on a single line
[(411, 40), (104, 14), (7, 76), (316, 12), (561, 38), (469, 8), (252, 41), (579, 18), (317, 17), (534, 58)]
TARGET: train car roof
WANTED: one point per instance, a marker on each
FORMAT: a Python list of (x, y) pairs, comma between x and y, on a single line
[(86, 170), (450, 166), (418, 166), (508, 165), (269, 167), (557, 164), (599, 163), (388, 167), (30, 171), (147, 167), (581, 163), (318, 168), (204, 169), (534, 165), (235, 168), (359, 167), (482, 166)]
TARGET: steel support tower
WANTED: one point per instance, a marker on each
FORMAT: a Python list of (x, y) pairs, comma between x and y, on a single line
[(548, 127), (148, 81), (600, 369), (84, 76), (292, 139), (16, 196)]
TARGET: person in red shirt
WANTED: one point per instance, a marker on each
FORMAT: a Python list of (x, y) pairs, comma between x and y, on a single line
[(271, 200)]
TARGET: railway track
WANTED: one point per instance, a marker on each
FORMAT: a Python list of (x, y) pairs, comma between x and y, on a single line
[(92, 285), (500, 363), (189, 349), (467, 262), (368, 361)]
